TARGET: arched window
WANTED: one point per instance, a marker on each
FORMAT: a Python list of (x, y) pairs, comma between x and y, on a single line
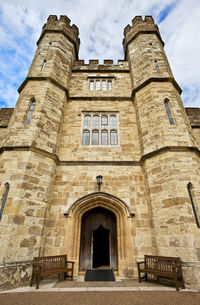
[(86, 137), (95, 121), (95, 137), (30, 111), (5, 195), (113, 137), (104, 121), (43, 65), (104, 137), (168, 110), (189, 187), (87, 121), (113, 121)]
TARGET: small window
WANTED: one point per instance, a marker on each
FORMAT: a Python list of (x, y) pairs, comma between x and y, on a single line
[(95, 137), (113, 137), (100, 84), (104, 137), (97, 84), (43, 65), (189, 187), (87, 120), (156, 65), (91, 85), (5, 195), (168, 110), (95, 121), (109, 85), (113, 121), (86, 137), (103, 85), (104, 121), (30, 111)]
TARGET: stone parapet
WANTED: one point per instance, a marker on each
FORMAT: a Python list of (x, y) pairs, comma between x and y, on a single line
[(80, 65), (140, 26), (62, 25)]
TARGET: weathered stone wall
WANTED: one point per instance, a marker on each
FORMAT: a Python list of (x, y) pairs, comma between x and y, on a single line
[(21, 228), (14, 275), (124, 182), (155, 129)]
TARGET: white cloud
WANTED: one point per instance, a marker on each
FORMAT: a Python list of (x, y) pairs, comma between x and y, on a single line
[(101, 25)]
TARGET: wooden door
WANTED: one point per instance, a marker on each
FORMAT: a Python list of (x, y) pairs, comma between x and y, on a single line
[(98, 226)]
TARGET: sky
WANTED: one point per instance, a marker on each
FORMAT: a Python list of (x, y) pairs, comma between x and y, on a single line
[(101, 24)]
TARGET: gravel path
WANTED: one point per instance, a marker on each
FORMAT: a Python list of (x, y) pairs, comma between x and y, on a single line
[(101, 298)]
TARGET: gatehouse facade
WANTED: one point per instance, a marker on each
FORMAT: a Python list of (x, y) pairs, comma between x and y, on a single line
[(124, 122)]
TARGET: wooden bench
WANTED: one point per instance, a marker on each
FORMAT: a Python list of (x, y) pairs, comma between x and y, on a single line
[(48, 265), (161, 267)]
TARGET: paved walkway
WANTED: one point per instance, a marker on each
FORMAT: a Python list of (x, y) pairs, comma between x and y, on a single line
[(121, 292)]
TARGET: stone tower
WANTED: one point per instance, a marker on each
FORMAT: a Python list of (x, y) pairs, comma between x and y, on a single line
[(32, 140), (74, 121)]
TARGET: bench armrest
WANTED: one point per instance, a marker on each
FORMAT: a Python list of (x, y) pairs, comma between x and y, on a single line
[(139, 263), (70, 262)]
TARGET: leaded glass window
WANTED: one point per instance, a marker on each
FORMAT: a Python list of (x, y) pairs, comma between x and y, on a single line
[(95, 137), (100, 129), (113, 137), (86, 137)]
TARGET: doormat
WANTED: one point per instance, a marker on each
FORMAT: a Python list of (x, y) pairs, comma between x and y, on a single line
[(102, 275)]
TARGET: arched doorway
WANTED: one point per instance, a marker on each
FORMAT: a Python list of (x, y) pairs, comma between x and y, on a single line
[(98, 248)]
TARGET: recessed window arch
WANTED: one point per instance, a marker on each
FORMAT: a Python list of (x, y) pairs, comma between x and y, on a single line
[(168, 110), (113, 137), (5, 195), (87, 121), (30, 111), (95, 123), (86, 137), (113, 121), (95, 137), (189, 187), (104, 137), (100, 129)]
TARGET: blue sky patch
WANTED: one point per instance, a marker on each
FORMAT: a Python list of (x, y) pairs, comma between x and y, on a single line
[(166, 11)]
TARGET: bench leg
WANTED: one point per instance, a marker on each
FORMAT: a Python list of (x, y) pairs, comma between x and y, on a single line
[(176, 281), (37, 281), (32, 278), (72, 274)]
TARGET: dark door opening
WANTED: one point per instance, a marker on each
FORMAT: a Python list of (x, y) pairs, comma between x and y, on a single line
[(101, 247), (98, 247)]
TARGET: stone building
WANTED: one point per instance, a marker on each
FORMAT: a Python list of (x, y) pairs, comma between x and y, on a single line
[(75, 121)]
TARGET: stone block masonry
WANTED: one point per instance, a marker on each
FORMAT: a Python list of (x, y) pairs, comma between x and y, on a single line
[(51, 168)]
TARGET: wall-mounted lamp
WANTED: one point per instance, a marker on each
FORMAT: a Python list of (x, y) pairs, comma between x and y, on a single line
[(99, 182)]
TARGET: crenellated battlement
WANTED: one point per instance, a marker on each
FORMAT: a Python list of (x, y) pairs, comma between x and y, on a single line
[(62, 25), (94, 64), (140, 25)]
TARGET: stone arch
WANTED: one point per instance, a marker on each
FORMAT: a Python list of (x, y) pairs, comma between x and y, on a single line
[(107, 201)]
